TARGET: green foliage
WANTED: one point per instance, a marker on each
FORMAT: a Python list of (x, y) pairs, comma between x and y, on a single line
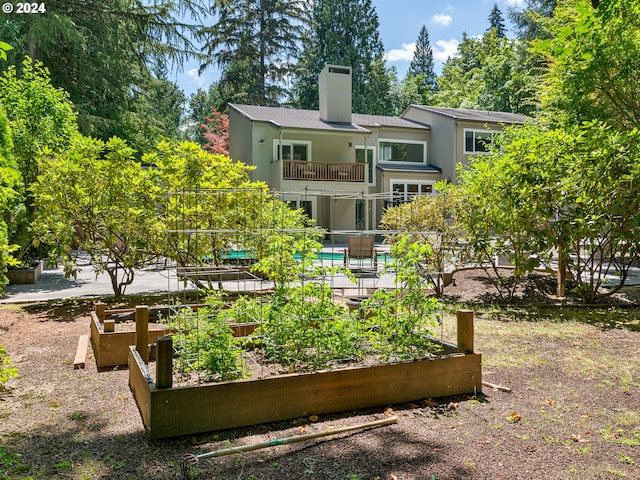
[(9, 185), (7, 370), (529, 21), (4, 48), (101, 51), (97, 196), (422, 63), (540, 189), (489, 73), (285, 245), (40, 116), (200, 193), (156, 114), (507, 199), (345, 32), (496, 21), (602, 203), (254, 41), (205, 341), (592, 62), (303, 328), (404, 317), (427, 220)]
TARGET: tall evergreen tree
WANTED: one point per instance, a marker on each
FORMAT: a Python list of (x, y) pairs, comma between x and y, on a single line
[(254, 42), (345, 32), (100, 51), (422, 63), (496, 21), (529, 21)]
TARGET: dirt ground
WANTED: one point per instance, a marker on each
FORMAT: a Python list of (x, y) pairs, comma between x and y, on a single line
[(573, 410)]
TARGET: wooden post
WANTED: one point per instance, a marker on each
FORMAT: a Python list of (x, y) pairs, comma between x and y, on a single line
[(465, 331), (164, 362), (562, 272), (109, 326), (142, 332), (99, 309)]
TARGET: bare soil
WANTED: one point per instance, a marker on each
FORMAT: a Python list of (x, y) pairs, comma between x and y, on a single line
[(573, 410)]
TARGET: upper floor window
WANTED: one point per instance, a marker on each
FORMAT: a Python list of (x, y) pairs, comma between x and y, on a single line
[(405, 152), (477, 141), (293, 150)]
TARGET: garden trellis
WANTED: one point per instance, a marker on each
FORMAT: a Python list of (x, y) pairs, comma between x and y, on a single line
[(262, 269), (282, 325)]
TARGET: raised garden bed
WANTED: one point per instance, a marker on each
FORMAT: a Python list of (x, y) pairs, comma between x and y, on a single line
[(26, 276), (168, 412), (114, 331)]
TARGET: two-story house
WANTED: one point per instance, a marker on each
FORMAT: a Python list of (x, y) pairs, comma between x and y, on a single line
[(344, 168)]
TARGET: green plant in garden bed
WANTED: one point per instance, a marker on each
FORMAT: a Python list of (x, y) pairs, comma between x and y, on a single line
[(205, 341), (304, 329)]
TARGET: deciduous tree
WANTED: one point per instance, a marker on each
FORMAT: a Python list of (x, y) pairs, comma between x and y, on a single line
[(216, 133), (592, 64), (97, 196), (489, 73), (428, 220), (40, 116)]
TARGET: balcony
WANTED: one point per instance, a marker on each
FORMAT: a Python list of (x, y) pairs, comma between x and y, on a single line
[(323, 171)]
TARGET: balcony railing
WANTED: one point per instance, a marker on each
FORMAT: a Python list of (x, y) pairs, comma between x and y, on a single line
[(323, 171)]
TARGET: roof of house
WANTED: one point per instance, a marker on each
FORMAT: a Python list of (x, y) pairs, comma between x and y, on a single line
[(474, 115), (386, 121), (407, 167), (310, 119)]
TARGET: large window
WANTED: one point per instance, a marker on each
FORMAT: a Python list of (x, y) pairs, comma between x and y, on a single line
[(293, 150), (477, 141), (404, 152), (404, 191)]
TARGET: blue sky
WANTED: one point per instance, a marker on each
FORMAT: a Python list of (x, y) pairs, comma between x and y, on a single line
[(400, 24)]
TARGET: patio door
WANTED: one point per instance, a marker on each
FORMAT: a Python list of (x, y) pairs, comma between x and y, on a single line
[(360, 158)]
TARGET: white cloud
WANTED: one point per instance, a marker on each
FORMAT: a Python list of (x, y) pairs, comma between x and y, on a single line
[(199, 80), (515, 3), (442, 19), (444, 49), (405, 53)]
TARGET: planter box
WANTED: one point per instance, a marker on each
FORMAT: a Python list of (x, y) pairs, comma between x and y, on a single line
[(111, 348), (24, 276), (179, 411), (171, 412)]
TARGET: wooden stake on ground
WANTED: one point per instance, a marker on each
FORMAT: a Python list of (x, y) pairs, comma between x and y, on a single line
[(81, 352), (497, 387), (296, 438)]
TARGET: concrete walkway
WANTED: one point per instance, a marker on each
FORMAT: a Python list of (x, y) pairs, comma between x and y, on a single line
[(53, 285)]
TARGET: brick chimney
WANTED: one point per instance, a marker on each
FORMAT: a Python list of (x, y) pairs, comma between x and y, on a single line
[(335, 94)]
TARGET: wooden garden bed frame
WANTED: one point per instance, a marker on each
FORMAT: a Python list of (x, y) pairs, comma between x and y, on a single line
[(111, 346), (170, 412)]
